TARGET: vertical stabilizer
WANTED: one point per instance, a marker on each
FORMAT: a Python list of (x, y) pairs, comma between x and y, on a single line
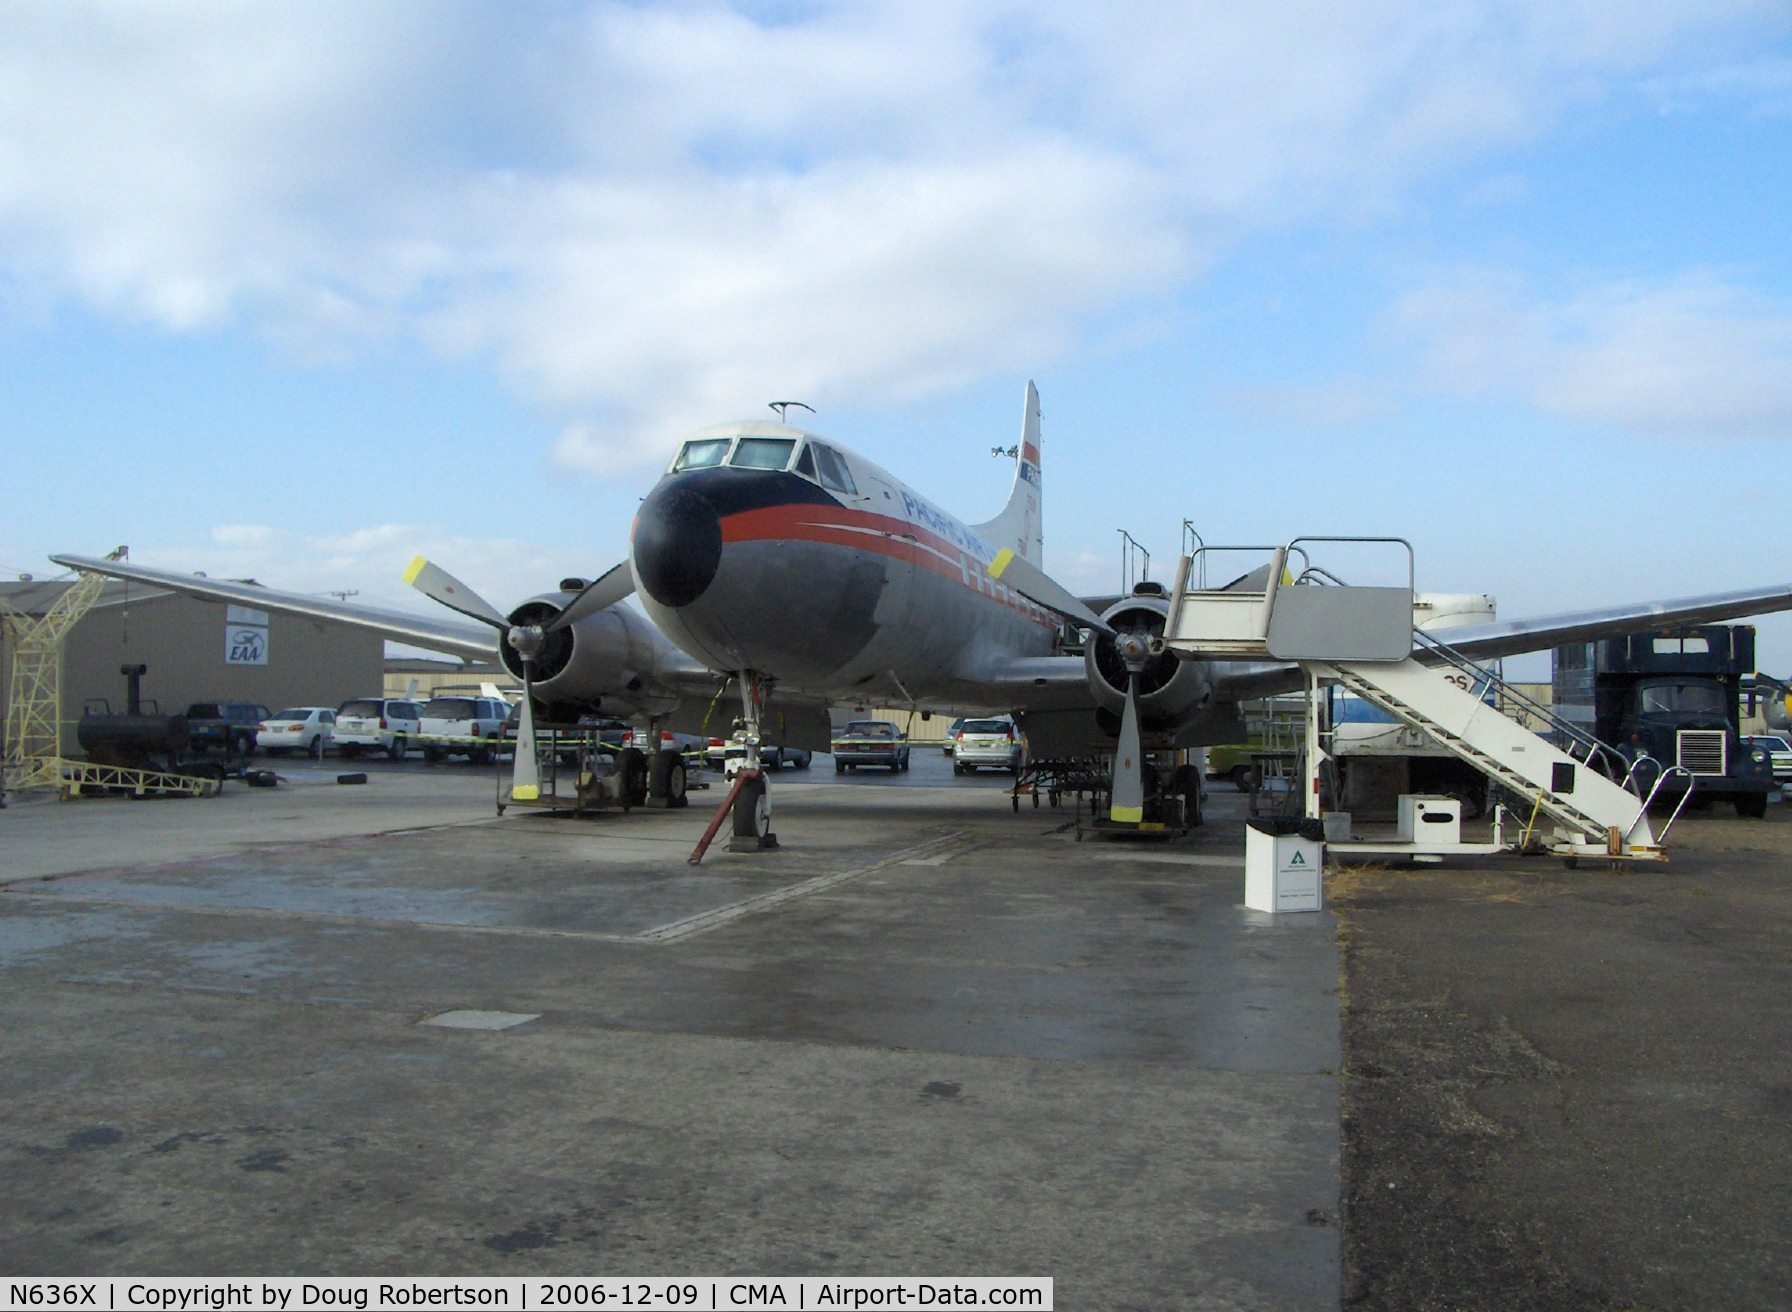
[(1020, 528)]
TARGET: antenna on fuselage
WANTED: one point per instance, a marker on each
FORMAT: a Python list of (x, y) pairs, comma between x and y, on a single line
[(782, 406)]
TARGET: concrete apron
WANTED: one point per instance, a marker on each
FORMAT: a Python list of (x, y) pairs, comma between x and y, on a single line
[(927, 1036)]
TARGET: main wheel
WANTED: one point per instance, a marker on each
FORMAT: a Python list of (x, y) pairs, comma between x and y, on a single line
[(667, 778), (752, 809), (631, 766)]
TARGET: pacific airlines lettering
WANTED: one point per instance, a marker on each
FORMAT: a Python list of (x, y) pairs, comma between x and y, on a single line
[(920, 512)]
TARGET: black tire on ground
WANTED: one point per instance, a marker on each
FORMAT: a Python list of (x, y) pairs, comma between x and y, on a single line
[(398, 748), (839, 767), (1241, 778), (777, 761), (959, 768), (316, 749), (902, 765), (484, 755), (349, 751), (243, 744), (752, 812), (433, 754), (631, 767), (1751, 806), (666, 778), (802, 760)]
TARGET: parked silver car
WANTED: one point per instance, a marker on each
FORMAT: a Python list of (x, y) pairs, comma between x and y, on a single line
[(993, 742)]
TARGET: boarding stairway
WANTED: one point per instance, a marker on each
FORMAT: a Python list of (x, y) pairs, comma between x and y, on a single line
[(1364, 640)]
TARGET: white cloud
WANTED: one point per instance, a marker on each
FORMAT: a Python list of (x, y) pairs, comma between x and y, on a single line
[(1693, 356), (369, 561), (647, 217)]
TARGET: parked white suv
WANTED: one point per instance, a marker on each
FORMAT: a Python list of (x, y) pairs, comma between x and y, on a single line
[(378, 724), (463, 726)]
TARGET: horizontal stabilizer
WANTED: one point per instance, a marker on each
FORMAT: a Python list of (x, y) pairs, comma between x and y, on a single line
[(1032, 583)]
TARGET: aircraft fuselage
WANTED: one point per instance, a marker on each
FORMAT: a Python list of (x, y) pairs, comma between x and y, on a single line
[(860, 591)]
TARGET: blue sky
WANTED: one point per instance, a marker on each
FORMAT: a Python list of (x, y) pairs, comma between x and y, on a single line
[(295, 292)]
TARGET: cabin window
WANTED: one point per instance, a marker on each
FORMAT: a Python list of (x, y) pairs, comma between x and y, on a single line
[(701, 454), (763, 452), (834, 473), (805, 463)]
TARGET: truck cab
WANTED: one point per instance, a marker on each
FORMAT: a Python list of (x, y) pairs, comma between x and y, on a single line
[(1671, 696)]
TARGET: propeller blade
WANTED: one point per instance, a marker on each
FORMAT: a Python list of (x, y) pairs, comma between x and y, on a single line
[(437, 583), (1127, 802), (525, 770), (1033, 584), (599, 594)]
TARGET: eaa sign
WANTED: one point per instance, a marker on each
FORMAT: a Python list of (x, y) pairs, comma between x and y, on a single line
[(245, 636)]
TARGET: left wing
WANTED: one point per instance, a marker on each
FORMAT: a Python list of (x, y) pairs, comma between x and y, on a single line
[(454, 637)]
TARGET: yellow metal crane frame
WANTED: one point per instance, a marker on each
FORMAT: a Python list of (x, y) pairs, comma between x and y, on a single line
[(32, 755)]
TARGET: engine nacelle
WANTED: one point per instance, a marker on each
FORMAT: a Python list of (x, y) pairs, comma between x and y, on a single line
[(1171, 692), (604, 663)]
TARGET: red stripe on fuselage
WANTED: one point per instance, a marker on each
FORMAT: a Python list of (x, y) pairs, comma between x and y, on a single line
[(886, 535), (1030, 454)]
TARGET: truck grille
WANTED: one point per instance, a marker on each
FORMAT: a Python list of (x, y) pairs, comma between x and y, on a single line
[(1702, 750)]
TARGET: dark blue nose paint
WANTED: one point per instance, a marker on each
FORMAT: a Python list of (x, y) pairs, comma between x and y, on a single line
[(678, 545)]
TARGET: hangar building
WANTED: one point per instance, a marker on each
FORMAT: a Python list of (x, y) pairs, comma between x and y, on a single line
[(196, 651)]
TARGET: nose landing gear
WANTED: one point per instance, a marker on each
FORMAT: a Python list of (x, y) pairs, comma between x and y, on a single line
[(748, 800)]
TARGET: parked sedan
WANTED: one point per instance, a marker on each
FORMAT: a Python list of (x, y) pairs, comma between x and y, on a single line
[(307, 729), (870, 742)]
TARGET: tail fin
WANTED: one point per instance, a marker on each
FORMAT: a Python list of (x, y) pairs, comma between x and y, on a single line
[(1020, 528)]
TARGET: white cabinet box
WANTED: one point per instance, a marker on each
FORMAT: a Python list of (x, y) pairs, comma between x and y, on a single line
[(1283, 871)]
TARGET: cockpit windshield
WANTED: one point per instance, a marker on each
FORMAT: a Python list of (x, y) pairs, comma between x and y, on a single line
[(763, 453), (701, 454)]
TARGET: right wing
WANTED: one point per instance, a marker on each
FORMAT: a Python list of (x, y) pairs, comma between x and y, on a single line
[(453, 637)]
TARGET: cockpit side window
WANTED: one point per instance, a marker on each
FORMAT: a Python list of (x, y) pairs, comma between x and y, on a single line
[(763, 453), (805, 463), (834, 473), (701, 454)]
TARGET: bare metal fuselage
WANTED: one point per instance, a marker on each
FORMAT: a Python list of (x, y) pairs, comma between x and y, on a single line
[(875, 596)]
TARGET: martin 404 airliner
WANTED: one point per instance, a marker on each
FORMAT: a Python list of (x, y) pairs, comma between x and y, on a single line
[(784, 561)]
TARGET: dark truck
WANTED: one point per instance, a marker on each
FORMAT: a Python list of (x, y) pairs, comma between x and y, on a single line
[(228, 726), (1670, 695)]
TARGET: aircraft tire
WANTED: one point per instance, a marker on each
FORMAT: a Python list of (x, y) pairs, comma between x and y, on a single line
[(631, 766), (752, 810), (667, 778)]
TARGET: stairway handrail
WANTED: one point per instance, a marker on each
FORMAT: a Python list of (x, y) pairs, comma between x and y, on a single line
[(1614, 760)]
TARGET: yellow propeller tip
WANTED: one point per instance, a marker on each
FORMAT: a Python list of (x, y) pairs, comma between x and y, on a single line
[(415, 568)]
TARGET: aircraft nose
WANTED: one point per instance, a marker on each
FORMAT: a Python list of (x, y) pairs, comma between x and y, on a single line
[(678, 545)]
